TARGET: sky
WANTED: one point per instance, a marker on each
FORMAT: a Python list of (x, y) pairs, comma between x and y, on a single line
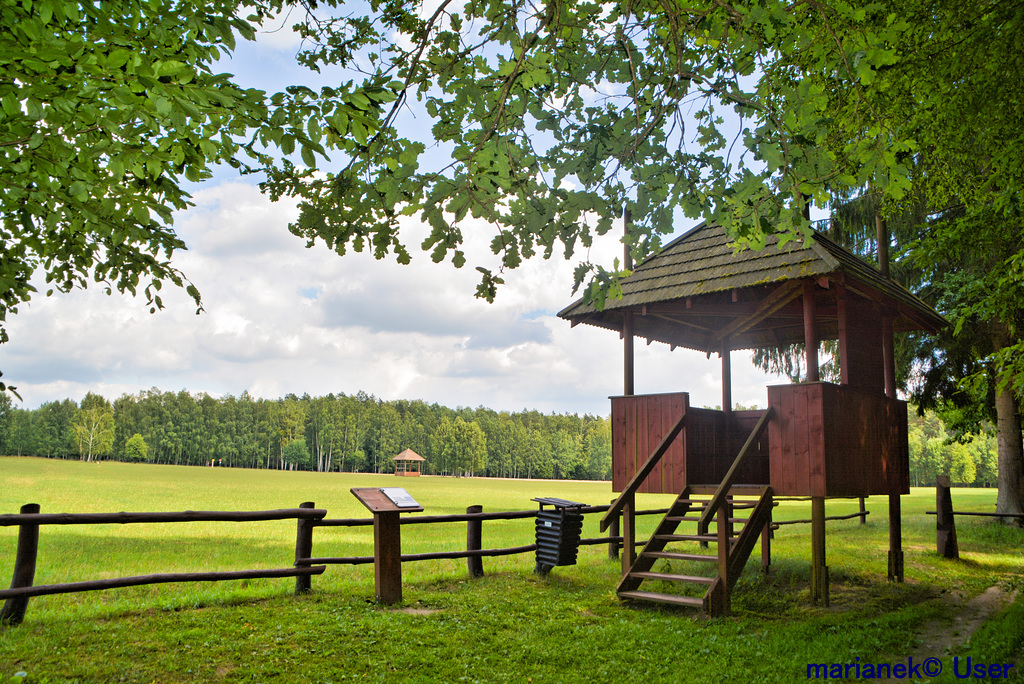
[(280, 318)]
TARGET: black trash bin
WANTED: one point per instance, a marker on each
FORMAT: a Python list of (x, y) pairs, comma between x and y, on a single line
[(558, 533)]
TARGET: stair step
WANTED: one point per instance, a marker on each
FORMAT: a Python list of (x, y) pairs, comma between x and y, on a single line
[(655, 597), (669, 577), (683, 518), (741, 489), (686, 537), (674, 555)]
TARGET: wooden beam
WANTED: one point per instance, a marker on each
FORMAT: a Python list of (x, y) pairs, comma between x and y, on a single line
[(810, 333), (888, 358), (627, 354), (726, 379), (819, 570), (779, 298)]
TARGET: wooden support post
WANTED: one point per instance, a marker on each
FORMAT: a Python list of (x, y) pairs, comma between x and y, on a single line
[(895, 539), (387, 557), (613, 531), (474, 541), (945, 525), (304, 549), (628, 384), (819, 571), (627, 316), (888, 358), (727, 386), (766, 545), (810, 332), (863, 512), (724, 544), (628, 534), (13, 611), (728, 507)]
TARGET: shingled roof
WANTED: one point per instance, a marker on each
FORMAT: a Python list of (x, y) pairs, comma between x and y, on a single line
[(408, 455), (700, 289)]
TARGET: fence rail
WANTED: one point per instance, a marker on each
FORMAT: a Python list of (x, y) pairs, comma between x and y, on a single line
[(30, 520), (946, 544)]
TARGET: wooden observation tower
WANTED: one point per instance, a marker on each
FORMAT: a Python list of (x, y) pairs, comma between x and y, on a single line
[(815, 439)]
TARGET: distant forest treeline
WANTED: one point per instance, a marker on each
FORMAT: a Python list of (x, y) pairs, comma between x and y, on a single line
[(361, 433), (357, 433)]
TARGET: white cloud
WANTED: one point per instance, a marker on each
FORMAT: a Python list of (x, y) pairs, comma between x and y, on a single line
[(281, 318)]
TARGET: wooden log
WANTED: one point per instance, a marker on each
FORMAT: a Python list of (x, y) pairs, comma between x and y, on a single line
[(162, 578), (183, 516), (13, 611), (343, 522), (613, 546), (465, 517), (628, 372), (945, 523), (340, 560), (895, 539), (810, 332), (781, 523), (766, 544), (303, 548), (819, 571), (1018, 516), (474, 542), (479, 553), (724, 541)]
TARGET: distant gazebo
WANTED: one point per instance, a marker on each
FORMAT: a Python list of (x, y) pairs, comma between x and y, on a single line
[(408, 463)]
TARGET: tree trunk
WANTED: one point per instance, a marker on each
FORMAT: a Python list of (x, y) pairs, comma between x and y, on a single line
[(1011, 453)]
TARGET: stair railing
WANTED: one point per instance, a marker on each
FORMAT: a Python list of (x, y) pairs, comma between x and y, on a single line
[(721, 494), (625, 504), (732, 557), (643, 473)]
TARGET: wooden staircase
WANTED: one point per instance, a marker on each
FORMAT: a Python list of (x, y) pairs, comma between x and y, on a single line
[(728, 548), (734, 536)]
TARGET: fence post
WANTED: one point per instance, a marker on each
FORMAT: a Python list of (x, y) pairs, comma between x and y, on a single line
[(863, 512), (945, 525), (13, 611), (613, 531), (304, 549), (474, 541)]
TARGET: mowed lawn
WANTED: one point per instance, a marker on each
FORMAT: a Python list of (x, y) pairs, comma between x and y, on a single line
[(508, 626)]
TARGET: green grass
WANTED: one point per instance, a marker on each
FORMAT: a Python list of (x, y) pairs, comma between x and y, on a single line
[(508, 626)]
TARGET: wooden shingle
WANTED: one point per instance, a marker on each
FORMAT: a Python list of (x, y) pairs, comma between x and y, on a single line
[(700, 290)]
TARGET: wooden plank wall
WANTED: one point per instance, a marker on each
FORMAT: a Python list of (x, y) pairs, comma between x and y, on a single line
[(638, 425), (701, 455), (756, 469), (834, 440), (860, 343), (705, 446)]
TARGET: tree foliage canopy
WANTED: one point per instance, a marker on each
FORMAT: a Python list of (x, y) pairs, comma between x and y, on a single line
[(105, 110)]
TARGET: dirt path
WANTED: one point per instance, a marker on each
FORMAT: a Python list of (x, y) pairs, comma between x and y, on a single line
[(940, 636)]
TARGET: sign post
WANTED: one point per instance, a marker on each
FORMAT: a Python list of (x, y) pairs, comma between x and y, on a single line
[(386, 504)]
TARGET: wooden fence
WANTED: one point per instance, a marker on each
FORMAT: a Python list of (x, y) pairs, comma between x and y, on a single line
[(308, 517), (945, 523)]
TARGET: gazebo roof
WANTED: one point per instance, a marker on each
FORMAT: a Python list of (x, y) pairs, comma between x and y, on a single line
[(699, 290), (408, 455)]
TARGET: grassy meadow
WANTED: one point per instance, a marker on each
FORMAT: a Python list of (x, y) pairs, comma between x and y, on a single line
[(508, 626)]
